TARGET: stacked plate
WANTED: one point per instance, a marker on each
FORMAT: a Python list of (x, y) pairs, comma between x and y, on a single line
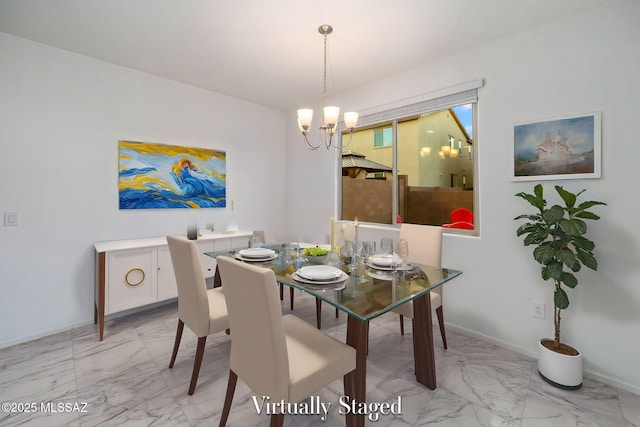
[(319, 275), (256, 254), (385, 262)]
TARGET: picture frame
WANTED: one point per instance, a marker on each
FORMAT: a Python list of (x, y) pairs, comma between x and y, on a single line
[(567, 147), (161, 176)]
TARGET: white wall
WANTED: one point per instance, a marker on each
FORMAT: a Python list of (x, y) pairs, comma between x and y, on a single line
[(61, 117), (584, 63)]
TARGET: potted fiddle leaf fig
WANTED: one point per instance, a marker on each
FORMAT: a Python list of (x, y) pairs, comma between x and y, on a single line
[(561, 249)]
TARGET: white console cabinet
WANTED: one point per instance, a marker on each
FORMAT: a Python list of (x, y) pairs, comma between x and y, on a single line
[(137, 272)]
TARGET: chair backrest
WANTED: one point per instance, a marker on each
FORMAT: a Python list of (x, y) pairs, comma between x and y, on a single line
[(425, 243), (461, 215), (258, 236), (258, 345), (193, 304)]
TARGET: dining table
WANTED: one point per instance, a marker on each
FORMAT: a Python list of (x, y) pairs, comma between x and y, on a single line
[(364, 291)]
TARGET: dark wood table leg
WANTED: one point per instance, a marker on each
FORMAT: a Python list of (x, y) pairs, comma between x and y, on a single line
[(423, 352), (318, 313), (356, 385)]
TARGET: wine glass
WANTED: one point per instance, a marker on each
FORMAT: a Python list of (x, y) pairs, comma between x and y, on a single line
[(369, 248), (386, 246), (402, 250), (346, 252)]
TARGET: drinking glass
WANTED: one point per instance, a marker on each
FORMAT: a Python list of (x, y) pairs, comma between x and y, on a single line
[(402, 250), (369, 248), (346, 252), (386, 246)]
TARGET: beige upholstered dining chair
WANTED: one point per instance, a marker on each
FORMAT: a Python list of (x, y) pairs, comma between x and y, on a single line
[(284, 358), (203, 311), (425, 247)]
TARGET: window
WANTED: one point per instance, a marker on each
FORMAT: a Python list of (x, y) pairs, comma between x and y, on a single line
[(382, 137), (430, 169)]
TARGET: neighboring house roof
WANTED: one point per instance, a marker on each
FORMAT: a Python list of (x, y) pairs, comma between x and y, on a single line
[(353, 160)]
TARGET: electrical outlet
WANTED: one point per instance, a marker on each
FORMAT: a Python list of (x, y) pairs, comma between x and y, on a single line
[(537, 309), (11, 219)]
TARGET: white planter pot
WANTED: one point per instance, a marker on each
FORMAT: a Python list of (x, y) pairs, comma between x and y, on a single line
[(558, 369)]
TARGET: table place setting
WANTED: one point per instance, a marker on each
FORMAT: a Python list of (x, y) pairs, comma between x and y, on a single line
[(319, 275), (256, 255), (387, 263)]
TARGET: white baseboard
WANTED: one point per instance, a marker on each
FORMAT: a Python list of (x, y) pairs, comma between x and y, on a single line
[(74, 325)]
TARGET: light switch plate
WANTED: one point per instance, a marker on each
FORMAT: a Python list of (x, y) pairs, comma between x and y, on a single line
[(11, 219)]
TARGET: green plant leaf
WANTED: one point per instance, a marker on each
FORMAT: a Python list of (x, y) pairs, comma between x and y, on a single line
[(569, 279), (568, 197), (553, 214), (555, 270), (573, 227), (538, 190), (545, 273), (587, 215), (544, 253), (560, 299), (533, 200), (528, 216), (586, 205), (581, 242), (567, 257), (527, 228), (587, 259)]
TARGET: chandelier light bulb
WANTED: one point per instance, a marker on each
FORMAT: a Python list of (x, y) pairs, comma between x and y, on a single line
[(331, 115)]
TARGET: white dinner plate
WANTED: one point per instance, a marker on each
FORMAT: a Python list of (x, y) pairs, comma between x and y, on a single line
[(318, 272), (249, 259), (389, 267), (256, 253), (379, 275), (340, 278), (385, 260)]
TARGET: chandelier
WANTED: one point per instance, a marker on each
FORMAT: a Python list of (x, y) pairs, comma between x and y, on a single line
[(331, 113)]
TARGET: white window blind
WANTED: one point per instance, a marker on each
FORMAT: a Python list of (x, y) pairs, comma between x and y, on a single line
[(447, 98)]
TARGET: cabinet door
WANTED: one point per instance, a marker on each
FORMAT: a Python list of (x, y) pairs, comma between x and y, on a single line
[(208, 263), (167, 287), (131, 279)]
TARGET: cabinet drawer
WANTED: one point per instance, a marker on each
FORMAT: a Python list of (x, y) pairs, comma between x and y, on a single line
[(131, 279)]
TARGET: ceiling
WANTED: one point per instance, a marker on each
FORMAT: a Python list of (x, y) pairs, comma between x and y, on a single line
[(269, 51)]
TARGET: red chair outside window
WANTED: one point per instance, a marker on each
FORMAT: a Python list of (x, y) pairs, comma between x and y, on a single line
[(460, 218)]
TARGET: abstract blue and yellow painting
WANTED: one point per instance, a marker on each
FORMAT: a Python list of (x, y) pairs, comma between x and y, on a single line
[(159, 176)]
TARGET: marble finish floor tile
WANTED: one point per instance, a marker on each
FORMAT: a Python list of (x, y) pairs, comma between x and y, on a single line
[(126, 380)]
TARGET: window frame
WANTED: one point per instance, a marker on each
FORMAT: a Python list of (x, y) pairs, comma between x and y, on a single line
[(466, 93)]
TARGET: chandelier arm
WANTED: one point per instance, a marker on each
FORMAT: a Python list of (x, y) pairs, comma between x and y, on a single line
[(311, 147)]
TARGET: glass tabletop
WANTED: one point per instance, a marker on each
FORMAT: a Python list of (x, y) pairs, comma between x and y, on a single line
[(365, 293)]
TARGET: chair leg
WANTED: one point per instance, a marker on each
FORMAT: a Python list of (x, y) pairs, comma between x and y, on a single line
[(176, 344), (441, 324), (277, 420), (319, 313), (197, 363), (231, 388), (291, 297), (401, 324)]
